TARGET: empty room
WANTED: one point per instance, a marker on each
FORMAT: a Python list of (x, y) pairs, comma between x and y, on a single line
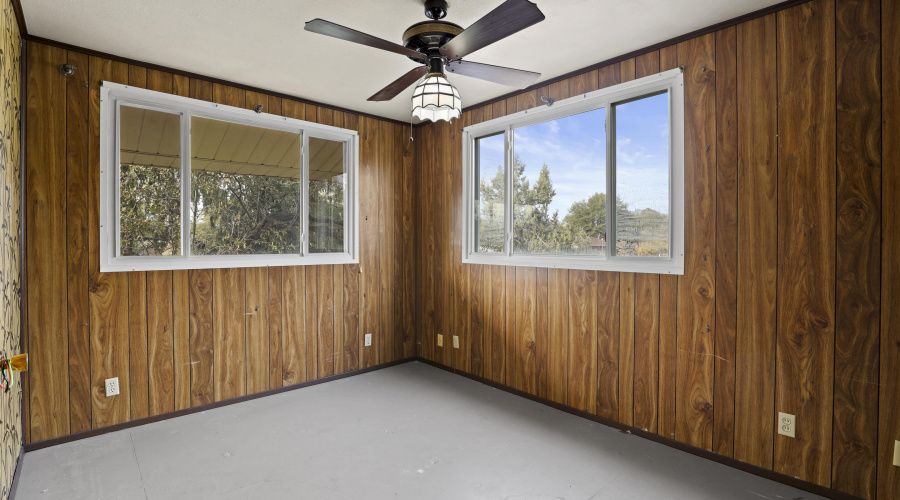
[(450, 249)]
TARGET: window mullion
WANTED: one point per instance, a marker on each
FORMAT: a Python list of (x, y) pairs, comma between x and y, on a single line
[(304, 205), (186, 184), (510, 191), (610, 180)]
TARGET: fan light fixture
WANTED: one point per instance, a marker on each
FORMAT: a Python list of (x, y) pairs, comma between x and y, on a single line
[(435, 99)]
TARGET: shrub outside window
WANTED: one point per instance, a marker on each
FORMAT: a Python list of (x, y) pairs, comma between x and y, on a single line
[(189, 184), (595, 181)]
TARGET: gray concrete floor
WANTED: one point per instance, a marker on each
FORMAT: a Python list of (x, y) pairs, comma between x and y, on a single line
[(407, 432)]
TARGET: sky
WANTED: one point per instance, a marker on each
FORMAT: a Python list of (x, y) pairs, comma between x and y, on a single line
[(574, 149)]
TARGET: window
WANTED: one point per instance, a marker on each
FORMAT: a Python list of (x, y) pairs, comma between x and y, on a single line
[(591, 182), (189, 184)]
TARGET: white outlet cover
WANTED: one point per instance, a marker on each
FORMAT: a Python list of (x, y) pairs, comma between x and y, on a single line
[(440, 340), (368, 340), (897, 453), (112, 386), (456, 341), (787, 424)]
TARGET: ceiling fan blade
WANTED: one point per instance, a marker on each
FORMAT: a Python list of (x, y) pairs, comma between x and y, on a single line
[(510, 17), (324, 27), (498, 74), (399, 85)]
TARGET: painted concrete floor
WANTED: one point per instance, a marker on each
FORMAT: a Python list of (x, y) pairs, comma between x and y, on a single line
[(407, 432)]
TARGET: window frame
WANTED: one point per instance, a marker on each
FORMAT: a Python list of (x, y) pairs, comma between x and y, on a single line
[(671, 81), (113, 96)]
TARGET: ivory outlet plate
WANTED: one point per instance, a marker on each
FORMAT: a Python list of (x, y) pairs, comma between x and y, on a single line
[(368, 339), (897, 453), (440, 340), (456, 341), (112, 386), (787, 424)]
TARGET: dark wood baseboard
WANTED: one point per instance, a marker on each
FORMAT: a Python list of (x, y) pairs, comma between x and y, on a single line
[(700, 452), (15, 481), (196, 409)]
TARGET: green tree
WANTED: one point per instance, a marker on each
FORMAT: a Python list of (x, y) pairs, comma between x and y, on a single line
[(150, 210)]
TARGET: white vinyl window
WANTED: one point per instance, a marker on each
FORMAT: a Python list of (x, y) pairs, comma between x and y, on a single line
[(189, 184), (595, 181)]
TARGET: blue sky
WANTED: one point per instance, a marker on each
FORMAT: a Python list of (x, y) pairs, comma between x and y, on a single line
[(574, 148)]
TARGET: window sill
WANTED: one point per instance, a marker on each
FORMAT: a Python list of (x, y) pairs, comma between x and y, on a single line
[(126, 264), (622, 265)]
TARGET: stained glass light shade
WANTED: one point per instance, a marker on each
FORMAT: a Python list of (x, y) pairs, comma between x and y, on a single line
[(434, 98)]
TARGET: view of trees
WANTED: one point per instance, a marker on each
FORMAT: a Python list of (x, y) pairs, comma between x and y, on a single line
[(231, 214), (581, 231)]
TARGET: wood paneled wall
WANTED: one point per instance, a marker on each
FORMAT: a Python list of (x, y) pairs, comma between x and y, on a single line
[(178, 339), (789, 299)]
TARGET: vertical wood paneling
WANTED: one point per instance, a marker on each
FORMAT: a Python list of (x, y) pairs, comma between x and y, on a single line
[(256, 325), (351, 317), (181, 338), (608, 304), (889, 393), (726, 239), (138, 361), (582, 385), (646, 64), (200, 297), (646, 351), (45, 146), (477, 319), (310, 332), (558, 334), (228, 328), (754, 417), (696, 289), (108, 292), (337, 351), (498, 324), (858, 252), (77, 260), (368, 233), (806, 246), (668, 323), (511, 344), (325, 321), (525, 338), (541, 326), (275, 327), (160, 347), (626, 348), (293, 325)]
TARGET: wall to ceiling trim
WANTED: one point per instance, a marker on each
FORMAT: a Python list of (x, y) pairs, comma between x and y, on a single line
[(787, 302)]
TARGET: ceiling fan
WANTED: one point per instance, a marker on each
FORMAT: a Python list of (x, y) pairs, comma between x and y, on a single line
[(441, 45)]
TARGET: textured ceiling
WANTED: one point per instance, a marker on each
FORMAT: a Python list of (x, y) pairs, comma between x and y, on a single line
[(262, 42)]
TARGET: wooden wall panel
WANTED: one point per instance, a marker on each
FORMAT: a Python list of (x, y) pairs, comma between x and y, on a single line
[(177, 339), (858, 252), (889, 384), (788, 210), (525, 330), (757, 222), (77, 260), (45, 146), (726, 239), (696, 289), (806, 246), (108, 293)]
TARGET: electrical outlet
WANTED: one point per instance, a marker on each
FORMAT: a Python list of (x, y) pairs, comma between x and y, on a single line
[(368, 340), (440, 340), (897, 453), (112, 386), (787, 424), (456, 341)]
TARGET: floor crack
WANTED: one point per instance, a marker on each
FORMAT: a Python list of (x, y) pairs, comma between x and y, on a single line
[(138, 463)]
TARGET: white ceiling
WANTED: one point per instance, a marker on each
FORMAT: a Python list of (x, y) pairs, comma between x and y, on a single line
[(262, 42)]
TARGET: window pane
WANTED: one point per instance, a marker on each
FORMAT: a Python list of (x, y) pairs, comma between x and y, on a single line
[(642, 177), (489, 197), (149, 182), (246, 189), (560, 186), (326, 195)]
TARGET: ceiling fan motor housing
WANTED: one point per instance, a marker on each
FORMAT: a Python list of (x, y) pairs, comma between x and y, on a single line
[(427, 37)]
